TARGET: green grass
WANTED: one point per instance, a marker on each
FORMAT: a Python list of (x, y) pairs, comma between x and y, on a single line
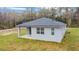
[(12, 43)]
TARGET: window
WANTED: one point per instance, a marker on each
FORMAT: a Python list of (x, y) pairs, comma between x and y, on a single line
[(40, 30), (52, 31)]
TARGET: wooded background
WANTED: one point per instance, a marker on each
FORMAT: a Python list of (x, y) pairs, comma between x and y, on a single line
[(68, 15)]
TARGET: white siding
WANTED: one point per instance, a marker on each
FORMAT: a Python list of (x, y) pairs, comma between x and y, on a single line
[(45, 36), (59, 34), (57, 37)]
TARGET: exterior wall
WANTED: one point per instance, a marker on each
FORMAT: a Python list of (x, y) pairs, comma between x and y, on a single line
[(45, 36), (57, 37), (59, 34)]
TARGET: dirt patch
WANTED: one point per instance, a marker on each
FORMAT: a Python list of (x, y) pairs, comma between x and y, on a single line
[(8, 31)]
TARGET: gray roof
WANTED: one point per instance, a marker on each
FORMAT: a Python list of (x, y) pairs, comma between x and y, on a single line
[(43, 22)]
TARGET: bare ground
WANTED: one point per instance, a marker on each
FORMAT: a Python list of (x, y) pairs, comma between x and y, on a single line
[(8, 31)]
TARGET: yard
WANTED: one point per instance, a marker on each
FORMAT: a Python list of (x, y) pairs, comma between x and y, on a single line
[(10, 42)]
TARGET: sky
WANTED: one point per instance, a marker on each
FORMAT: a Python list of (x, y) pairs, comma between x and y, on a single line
[(18, 8), (34, 9)]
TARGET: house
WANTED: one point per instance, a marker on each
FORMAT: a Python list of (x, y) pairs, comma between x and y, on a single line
[(44, 29)]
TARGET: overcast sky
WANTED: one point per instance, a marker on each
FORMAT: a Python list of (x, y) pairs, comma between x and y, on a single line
[(18, 8)]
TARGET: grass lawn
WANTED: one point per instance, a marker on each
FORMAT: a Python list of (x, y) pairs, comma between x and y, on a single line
[(12, 43)]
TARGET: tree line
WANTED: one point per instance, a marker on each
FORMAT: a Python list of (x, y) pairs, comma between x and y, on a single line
[(68, 15)]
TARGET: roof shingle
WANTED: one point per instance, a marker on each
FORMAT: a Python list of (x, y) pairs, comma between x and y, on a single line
[(42, 22)]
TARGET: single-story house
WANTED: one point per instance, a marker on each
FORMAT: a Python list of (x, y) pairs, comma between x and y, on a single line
[(44, 29)]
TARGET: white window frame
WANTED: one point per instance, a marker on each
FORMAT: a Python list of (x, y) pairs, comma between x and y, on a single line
[(52, 31), (40, 30)]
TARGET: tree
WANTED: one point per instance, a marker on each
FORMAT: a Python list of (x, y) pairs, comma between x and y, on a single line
[(68, 16), (77, 16)]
